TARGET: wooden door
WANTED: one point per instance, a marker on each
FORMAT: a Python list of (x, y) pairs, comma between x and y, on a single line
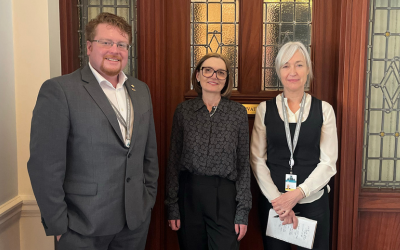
[(170, 48), (164, 64), (368, 218)]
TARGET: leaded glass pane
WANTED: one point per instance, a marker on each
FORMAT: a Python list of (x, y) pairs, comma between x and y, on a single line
[(382, 114), (214, 27), (108, 2), (284, 21), (123, 2), (89, 9)]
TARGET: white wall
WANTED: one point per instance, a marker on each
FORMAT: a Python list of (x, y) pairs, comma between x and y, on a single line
[(30, 55), (8, 134), (54, 38), (32, 68), (32, 234), (9, 233), (9, 227)]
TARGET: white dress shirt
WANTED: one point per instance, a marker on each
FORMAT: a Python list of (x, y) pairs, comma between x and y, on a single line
[(116, 96), (328, 148)]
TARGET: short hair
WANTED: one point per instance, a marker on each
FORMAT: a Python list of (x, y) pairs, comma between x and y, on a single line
[(287, 51), (227, 90), (111, 19)]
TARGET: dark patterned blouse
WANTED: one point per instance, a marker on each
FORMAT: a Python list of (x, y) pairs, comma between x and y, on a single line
[(212, 146)]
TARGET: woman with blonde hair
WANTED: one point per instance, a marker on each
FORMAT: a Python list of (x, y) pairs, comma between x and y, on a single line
[(294, 150)]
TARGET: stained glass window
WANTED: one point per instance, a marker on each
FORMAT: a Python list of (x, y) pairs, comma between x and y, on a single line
[(381, 161), (89, 9), (214, 28), (284, 21)]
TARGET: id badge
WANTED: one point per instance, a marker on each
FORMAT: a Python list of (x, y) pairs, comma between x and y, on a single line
[(290, 182)]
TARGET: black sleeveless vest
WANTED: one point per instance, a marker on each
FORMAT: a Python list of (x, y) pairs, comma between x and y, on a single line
[(307, 152)]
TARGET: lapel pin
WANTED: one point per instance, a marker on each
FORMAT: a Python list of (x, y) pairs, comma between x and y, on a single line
[(133, 86)]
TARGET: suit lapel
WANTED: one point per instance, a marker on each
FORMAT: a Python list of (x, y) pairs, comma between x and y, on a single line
[(98, 95), (136, 110)]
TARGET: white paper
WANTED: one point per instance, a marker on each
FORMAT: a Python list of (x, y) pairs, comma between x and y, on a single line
[(302, 236)]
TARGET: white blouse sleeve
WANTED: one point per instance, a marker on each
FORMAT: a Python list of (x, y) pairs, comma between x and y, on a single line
[(328, 155), (258, 155)]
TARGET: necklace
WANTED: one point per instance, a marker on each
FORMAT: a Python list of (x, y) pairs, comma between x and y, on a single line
[(213, 109)]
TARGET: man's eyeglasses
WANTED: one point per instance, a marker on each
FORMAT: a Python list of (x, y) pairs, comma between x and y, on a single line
[(209, 72), (109, 44)]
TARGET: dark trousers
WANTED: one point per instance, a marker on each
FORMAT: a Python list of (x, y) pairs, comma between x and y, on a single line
[(126, 239), (207, 206), (317, 210)]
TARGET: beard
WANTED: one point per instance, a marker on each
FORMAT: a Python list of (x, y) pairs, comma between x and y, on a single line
[(111, 71)]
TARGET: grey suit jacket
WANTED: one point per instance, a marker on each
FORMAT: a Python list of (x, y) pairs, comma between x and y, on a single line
[(82, 174)]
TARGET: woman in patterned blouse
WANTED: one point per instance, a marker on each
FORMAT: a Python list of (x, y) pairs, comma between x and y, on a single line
[(208, 175)]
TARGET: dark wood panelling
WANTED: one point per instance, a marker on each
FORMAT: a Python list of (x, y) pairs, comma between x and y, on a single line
[(151, 70), (325, 56), (324, 49), (250, 46), (253, 239), (250, 71), (379, 201), (378, 231), (69, 37), (178, 55), (350, 105), (177, 75)]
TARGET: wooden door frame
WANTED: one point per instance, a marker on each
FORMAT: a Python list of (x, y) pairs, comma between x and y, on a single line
[(353, 199), (350, 113), (151, 70), (69, 37)]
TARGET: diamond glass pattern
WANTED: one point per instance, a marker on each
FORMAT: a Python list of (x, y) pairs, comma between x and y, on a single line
[(381, 167), (390, 84), (214, 28), (284, 21)]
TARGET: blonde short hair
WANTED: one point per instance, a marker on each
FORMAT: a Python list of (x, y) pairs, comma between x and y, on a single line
[(287, 51)]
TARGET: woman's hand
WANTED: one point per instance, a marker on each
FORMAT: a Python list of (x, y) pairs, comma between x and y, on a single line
[(284, 203), (289, 219), (174, 224), (241, 230)]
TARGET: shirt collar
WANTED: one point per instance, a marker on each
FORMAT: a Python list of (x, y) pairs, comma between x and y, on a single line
[(307, 102), (101, 80), (198, 103), (279, 99)]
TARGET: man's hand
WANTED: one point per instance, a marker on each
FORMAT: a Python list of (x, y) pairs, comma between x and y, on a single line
[(58, 237), (284, 203), (241, 230), (174, 224)]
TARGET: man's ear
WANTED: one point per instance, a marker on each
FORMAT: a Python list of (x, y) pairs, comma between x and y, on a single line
[(88, 47)]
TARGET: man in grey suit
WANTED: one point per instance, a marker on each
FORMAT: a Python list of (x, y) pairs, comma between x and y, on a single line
[(93, 163)]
